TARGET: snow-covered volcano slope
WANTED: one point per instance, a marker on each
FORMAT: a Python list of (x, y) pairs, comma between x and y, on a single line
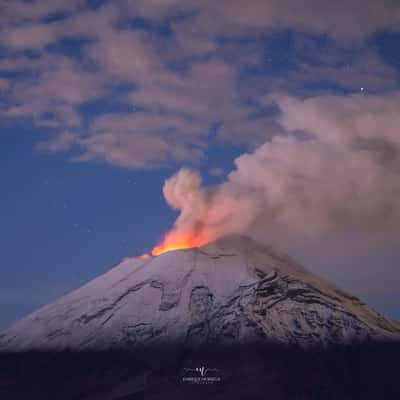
[(230, 291)]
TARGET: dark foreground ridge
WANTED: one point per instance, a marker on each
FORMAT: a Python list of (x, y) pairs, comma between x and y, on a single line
[(363, 371)]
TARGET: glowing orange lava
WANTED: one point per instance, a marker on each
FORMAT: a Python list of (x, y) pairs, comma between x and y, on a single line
[(177, 241)]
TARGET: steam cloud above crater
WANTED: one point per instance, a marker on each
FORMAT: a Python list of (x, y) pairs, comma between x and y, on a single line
[(337, 168)]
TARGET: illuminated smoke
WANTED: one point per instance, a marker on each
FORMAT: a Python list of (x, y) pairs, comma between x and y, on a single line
[(343, 172)]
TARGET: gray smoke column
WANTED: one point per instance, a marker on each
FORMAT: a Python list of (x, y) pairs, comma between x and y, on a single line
[(337, 167)]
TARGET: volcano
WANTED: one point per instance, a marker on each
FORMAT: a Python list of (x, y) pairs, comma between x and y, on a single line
[(230, 291), (202, 306)]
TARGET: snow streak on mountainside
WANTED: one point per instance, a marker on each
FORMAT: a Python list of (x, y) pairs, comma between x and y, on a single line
[(230, 291)]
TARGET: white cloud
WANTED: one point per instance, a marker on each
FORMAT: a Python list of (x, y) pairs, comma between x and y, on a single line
[(345, 19), (178, 105)]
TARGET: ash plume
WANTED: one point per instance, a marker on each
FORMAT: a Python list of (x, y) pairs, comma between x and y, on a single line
[(343, 175)]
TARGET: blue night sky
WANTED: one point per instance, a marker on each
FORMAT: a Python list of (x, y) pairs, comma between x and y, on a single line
[(102, 101)]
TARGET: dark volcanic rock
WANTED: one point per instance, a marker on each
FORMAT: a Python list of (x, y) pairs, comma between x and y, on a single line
[(278, 372)]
